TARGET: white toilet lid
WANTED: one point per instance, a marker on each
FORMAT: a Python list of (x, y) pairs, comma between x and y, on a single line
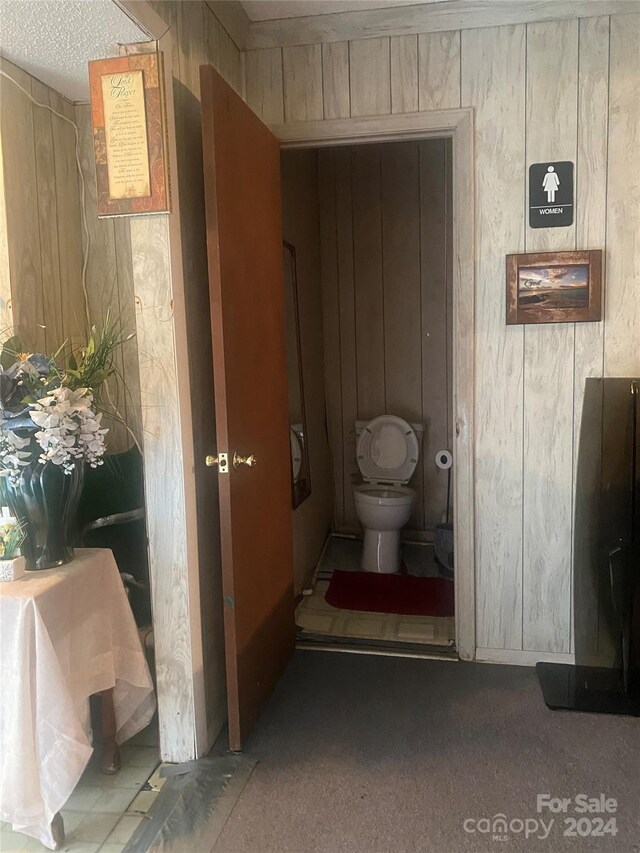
[(387, 450)]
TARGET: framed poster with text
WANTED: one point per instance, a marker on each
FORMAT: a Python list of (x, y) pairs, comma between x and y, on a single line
[(129, 135)]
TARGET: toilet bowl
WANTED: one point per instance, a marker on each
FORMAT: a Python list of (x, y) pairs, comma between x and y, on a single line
[(387, 453), (383, 512)]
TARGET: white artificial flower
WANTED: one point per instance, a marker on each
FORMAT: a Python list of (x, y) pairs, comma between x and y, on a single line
[(13, 457), (69, 428)]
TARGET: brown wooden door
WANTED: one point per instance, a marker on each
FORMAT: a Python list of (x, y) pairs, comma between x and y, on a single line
[(244, 241)]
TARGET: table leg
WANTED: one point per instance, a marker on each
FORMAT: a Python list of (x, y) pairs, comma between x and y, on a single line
[(57, 830), (110, 761)]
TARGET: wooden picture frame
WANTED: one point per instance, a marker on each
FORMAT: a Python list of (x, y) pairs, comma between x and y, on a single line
[(130, 144), (554, 287)]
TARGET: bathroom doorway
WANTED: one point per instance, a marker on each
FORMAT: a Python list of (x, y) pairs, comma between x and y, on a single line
[(369, 251)]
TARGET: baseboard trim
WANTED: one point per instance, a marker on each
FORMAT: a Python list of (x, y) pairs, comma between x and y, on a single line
[(518, 657)]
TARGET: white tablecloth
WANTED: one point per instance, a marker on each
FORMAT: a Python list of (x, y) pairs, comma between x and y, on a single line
[(64, 634)]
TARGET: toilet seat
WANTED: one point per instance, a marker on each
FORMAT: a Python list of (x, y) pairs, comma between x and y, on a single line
[(381, 494), (387, 451)]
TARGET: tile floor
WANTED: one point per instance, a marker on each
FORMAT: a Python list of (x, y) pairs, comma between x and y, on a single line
[(104, 811), (315, 616)]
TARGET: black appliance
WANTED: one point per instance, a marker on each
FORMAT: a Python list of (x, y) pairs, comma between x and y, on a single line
[(606, 675)]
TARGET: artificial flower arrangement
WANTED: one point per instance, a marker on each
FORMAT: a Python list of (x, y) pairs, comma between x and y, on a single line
[(12, 535), (48, 410)]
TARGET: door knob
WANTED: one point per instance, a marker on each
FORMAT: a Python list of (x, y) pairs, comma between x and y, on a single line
[(210, 461), (238, 460)]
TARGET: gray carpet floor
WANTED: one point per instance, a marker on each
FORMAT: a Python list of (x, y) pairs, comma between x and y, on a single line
[(389, 755)]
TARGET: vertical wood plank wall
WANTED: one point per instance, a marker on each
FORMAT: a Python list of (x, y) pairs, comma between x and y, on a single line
[(42, 200), (110, 292), (301, 227), (43, 196), (197, 38), (384, 221), (561, 90)]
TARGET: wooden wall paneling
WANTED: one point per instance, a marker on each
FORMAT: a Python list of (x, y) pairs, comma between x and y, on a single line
[(423, 18), (396, 303), (312, 519), (21, 190), (464, 366), (192, 26), (493, 81), (551, 128), (370, 77), (331, 321), (6, 310), (69, 202), (129, 389), (232, 16), (439, 70), (404, 74), (231, 66), (591, 232), (368, 278), (101, 276), (435, 327), (302, 78), (400, 186), (348, 353), (47, 217), (221, 46), (263, 70), (163, 464), (335, 80), (622, 292), (217, 41), (236, 68)]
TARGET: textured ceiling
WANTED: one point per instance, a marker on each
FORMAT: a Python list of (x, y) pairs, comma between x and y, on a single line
[(270, 10), (54, 39)]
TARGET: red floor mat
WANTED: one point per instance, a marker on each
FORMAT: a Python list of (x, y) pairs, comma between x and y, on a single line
[(403, 594)]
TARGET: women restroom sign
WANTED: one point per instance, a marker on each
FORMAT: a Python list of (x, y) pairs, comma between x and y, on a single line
[(551, 194)]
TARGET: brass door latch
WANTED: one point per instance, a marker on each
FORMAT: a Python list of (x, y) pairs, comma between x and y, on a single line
[(221, 460)]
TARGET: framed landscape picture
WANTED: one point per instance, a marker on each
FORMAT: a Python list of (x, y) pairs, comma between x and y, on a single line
[(554, 287)]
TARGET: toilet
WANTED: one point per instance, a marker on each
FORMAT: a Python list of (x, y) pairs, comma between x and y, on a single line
[(387, 451)]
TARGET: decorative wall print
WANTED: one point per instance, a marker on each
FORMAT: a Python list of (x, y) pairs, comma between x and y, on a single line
[(554, 287), (129, 134)]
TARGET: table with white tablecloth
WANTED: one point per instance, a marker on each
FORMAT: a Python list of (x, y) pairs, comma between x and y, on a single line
[(65, 634)]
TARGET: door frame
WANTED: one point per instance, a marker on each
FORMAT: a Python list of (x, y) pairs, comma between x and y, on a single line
[(187, 727), (456, 124)]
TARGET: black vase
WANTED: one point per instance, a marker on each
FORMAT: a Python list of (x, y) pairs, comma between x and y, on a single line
[(46, 499)]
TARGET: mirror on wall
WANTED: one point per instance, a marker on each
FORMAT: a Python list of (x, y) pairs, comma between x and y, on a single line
[(300, 473)]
